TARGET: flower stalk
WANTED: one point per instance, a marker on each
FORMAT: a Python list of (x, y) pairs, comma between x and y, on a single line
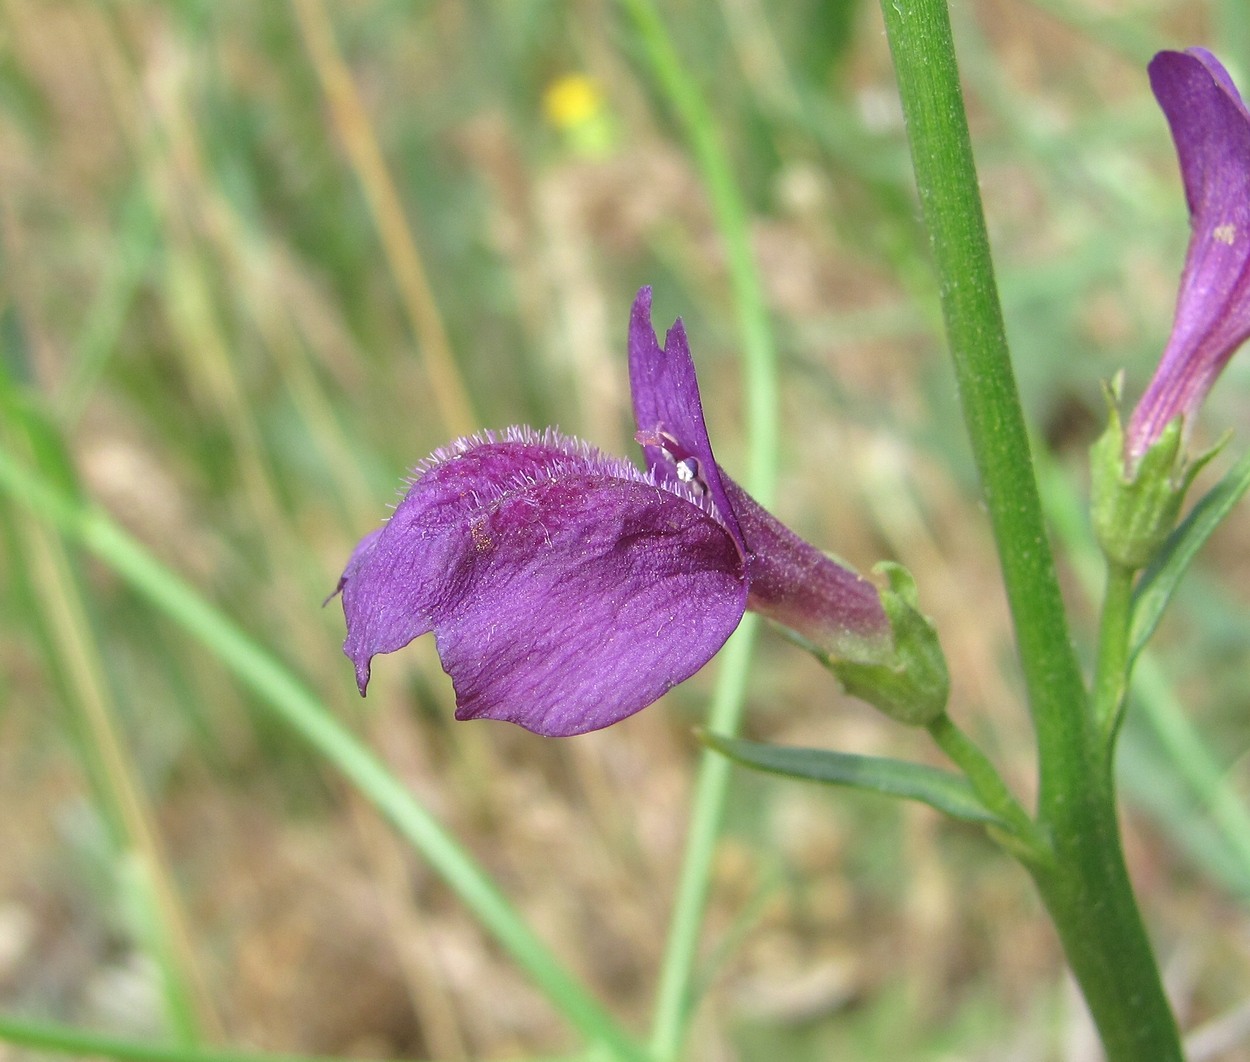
[(1085, 884)]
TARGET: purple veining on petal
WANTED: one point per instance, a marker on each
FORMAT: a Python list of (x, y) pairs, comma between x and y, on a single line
[(590, 611), (1210, 125)]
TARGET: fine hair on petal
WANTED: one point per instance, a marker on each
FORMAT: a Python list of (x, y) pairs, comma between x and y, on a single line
[(569, 456)]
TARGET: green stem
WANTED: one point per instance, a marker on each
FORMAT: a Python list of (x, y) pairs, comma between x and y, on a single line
[(989, 787), (1087, 889), (1114, 653), (1090, 899), (283, 694), (1154, 702), (924, 57), (674, 994), (1085, 886)]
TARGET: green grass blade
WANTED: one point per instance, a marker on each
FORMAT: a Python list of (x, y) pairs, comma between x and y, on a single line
[(57, 1039), (675, 994), (1223, 850), (62, 620)]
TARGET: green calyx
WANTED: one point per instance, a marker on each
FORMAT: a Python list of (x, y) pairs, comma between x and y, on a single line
[(1135, 505), (911, 684)]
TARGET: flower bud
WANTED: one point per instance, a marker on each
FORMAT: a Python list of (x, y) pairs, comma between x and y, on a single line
[(1135, 502)]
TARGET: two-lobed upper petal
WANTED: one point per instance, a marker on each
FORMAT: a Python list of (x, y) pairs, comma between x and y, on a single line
[(790, 581)]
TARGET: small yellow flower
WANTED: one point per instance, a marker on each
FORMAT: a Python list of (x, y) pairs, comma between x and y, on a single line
[(571, 101)]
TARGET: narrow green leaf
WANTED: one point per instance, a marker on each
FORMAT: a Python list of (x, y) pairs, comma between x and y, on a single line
[(64, 1040), (939, 789), (1161, 579)]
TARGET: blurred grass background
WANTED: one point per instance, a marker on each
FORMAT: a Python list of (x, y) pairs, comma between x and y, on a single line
[(258, 259)]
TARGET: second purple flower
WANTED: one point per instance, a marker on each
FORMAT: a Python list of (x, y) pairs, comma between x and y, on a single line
[(1211, 127)]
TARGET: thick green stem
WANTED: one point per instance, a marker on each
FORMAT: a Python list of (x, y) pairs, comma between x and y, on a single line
[(924, 57), (1087, 889), (1090, 900), (1085, 885)]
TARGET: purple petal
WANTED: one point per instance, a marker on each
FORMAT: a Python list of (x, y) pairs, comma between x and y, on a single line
[(1203, 108), (565, 589), (619, 591), (401, 575), (795, 584), (1211, 128), (666, 401)]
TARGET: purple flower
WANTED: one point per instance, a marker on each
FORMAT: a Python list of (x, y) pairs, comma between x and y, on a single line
[(566, 589), (1211, 127)]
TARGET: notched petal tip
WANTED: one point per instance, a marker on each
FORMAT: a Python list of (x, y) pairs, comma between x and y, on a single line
[(668, 410)]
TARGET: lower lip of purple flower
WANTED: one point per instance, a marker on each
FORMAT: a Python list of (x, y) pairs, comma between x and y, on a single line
[(566, 589)]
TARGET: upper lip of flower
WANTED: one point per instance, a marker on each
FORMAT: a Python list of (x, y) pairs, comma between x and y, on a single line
[(789, 580), (669, 411)]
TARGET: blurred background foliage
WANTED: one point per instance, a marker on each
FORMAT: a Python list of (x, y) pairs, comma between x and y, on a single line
[(256, 260)]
